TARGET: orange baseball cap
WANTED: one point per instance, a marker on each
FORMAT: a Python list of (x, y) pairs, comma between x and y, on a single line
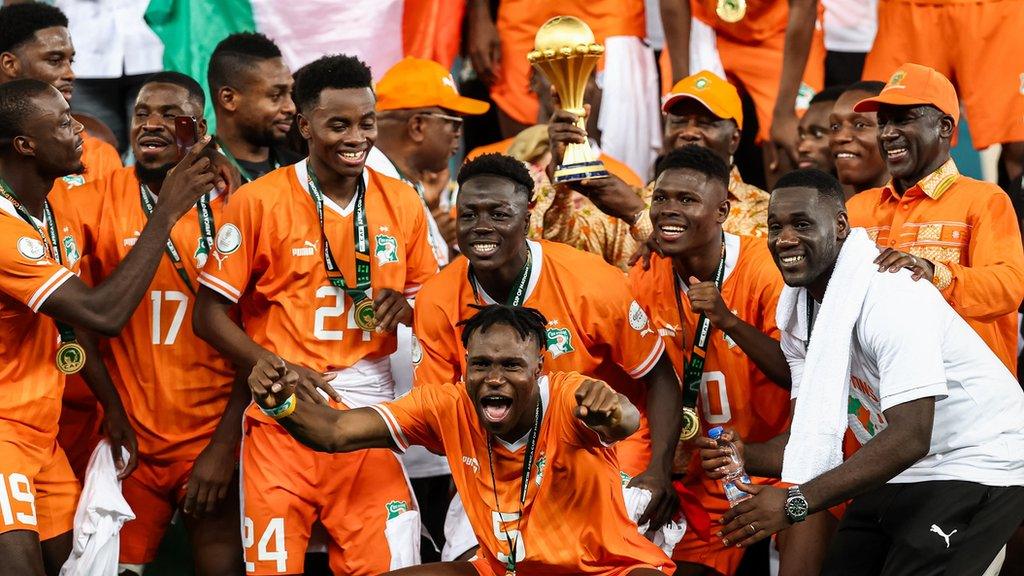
[(715, 93), (915, 85), (420, 83)]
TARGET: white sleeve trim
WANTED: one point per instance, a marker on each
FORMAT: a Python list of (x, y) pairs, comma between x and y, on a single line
[(49, 287), (412, 291), (652, 359), (221, 287), (397, 436)]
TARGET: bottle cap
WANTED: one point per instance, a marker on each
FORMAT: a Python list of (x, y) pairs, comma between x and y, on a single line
[(715, 432)]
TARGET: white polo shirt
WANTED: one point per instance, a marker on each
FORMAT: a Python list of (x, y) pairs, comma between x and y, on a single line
[(909, 344)]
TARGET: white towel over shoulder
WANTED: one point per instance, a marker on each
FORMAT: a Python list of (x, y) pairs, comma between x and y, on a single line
[(820, 418), (102, 510)]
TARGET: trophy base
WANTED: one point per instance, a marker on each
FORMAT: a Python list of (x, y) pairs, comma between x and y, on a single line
[(580, 171)]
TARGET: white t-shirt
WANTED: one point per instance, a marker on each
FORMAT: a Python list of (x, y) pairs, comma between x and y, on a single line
[(111, 38), (909, 344), (850, 25)]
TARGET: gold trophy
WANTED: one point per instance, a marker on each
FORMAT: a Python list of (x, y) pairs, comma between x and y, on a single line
[(565, 53)]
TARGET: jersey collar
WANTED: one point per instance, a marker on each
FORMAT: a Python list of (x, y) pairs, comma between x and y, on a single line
[(537, 256)]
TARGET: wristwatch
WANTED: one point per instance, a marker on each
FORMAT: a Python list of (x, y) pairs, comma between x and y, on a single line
[(796, 505)]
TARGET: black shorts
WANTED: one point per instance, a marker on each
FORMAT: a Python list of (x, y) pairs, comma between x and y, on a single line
[(925, 528)]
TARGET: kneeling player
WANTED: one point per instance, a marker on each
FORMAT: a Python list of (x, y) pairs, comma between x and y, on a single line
[(529, 454)]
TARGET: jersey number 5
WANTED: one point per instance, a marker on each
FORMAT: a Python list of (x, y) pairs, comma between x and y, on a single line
[(513, 536), (336, 299)]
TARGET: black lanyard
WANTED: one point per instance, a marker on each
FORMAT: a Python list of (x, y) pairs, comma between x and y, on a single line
[(50, 241), (694, 372), (531, 448), (234, 162), (518, 293), (361, 230), (206, 227)]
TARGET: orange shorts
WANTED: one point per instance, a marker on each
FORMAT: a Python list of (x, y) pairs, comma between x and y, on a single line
[(154, 491), (286, 487), (38, 491), (973, 44), (79, 427)]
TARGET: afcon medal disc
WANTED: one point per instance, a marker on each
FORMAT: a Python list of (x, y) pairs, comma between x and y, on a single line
[(364, 315), (70, 357), (731, 11), (691, 425)]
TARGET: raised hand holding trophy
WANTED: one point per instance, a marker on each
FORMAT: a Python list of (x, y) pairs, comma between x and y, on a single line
[(565, 53)]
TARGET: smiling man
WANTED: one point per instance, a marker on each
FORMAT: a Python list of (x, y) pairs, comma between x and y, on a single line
[(812, 131), (176, 387), (44, 302), (730, 283), (251, 89), (530, 451), (35, 43), (594, 324), (940, 418), (960, 234), (318, 259), (853, 141)]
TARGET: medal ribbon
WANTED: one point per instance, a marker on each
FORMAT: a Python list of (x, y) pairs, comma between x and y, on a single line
[(50, 240), (206, 228), (361, 230), (531, 448), (234, 162), (518, 294), (694, 371)]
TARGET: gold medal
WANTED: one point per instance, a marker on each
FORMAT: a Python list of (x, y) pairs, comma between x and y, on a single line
[(731, 11), (70, 357), (364, 316), (691, 425)]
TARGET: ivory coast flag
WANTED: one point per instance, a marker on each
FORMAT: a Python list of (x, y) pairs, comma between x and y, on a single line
[(378, 32)]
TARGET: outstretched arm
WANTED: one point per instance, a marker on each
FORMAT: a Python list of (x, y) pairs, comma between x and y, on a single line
[(319, 427)]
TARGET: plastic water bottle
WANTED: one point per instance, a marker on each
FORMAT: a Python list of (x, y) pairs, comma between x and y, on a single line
[(733, 470)]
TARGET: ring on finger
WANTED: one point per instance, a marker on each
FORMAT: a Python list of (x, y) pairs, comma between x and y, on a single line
[(752, 529)]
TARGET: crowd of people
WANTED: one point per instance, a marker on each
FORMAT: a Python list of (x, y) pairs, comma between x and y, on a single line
[(310, 332)]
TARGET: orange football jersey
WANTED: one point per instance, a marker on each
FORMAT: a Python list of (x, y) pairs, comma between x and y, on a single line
[(30, 384), (594, 325), (268, 257), (173, 384), (734, 392), (574, 520)]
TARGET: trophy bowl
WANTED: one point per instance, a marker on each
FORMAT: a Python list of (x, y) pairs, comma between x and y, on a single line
[(566, 53)]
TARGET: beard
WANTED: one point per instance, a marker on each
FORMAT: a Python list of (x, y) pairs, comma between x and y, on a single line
[(262, 136), (151, 175)]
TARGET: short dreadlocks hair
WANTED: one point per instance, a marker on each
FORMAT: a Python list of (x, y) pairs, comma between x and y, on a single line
[(527, 322)]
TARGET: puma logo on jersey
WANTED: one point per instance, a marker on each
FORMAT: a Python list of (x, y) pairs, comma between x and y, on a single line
[(946, 537), (308, 249), (670, 330), (129, 242), (472, 463)]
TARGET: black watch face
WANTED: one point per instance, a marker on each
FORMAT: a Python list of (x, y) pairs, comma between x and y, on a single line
[(796, 508)]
